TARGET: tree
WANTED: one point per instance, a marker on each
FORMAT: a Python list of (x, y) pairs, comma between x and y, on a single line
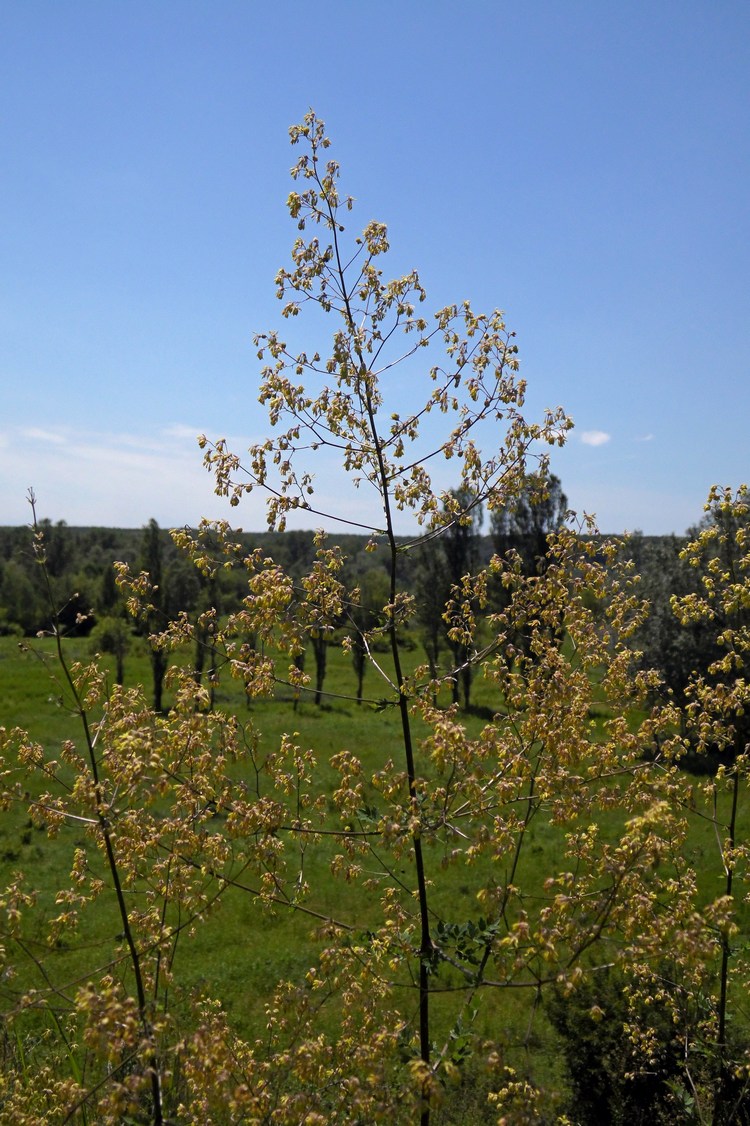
[(674, 574), (461, 550), (432, 593), (677, 649), (529, 518), (58, 547), (319, 641), (112, 635), (153, 616), (366, 620), (522, 531), (109, 598), (21, 599), (208, 608), (442, 564)]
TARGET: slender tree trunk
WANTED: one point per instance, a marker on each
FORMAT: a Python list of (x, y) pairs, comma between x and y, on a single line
[(320, 652), (158, 669), (200, 656)]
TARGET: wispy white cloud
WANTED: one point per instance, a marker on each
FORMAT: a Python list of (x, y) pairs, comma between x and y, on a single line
[(179, 430), (122, 479), (595, 437), (112, 479), (35, 434), (645, 438)]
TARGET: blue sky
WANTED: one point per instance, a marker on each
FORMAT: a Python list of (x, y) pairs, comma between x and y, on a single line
[(585, 166)]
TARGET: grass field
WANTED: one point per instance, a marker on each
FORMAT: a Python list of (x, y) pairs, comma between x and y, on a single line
[(240, 951), (264, 947)]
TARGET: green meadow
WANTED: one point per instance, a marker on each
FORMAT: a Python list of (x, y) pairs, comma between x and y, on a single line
[(239, 951)]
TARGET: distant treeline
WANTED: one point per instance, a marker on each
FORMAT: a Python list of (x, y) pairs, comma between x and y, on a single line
[(82, 588), (80, 561), (80, 564)]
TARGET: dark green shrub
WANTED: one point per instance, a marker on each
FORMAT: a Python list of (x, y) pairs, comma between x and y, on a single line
[(614, 1080)]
